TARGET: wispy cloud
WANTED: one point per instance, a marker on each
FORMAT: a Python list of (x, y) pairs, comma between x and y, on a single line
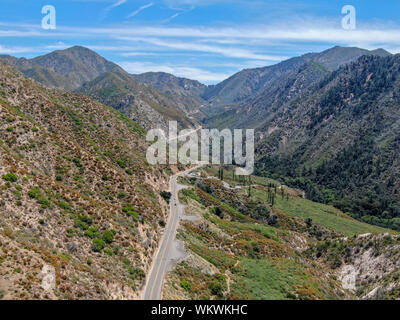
[(134, 13), (117, 4), (114, 5), (193, 46), (14, 50), (180, 71), (171, 17)]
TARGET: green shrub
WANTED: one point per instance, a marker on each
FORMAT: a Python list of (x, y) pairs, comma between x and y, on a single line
[(108, 251), (108, 236), (10, 177), (190, 193), (136, 273), (92, 233), (166, 195), (77, 162), (64, 205), (70, 232), (83, 222), (130, 211), (36, 193), (216, 288), (186, 285), (121, 163), (98, 245), (121, 195)]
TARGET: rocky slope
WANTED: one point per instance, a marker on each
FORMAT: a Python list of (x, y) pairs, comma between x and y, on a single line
[(76, 195), (185, 92), (149, 107)]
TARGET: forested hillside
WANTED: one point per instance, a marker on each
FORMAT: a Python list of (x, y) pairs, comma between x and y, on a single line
[(340, 142)]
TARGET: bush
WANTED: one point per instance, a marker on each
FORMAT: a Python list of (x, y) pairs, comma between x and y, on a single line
[(166, 195), (64, 205), (92, 233), (77, 162), (136, 273), (218, 212), (36, 193), (83, 222), (108, 236), (108, 251), (121, 195), (121, 163), (130, 211), (216, 288), (186, 285), (10, 177), (98, 245)]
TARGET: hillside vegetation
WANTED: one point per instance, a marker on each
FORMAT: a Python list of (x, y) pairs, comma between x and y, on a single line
[(340, 142), (76, 194), (259, 239)]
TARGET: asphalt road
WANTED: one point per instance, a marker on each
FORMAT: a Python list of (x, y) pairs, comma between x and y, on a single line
[(169, 251)]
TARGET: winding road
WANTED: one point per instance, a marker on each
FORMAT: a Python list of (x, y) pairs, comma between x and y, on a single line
[(169, 250)]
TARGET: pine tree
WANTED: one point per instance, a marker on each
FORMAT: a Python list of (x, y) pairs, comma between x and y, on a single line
[(273, 200)]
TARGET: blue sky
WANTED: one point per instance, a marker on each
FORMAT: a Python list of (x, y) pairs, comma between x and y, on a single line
[(207, 40)]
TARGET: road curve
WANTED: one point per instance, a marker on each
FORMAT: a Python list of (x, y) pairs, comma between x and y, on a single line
[(167, 249)]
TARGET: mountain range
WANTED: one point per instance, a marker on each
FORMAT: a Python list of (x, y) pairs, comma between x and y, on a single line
[(78, 196), (303, 110), (82, 70)]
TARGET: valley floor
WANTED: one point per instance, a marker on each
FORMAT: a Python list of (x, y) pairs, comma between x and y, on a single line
[(257, 239)]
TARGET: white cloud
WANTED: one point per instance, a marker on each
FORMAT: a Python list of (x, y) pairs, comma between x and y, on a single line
[(134, 54), (117, 4), (193, 46), (111, 7), (171, 17), (180, 71), (141, 9), (256, 35), (13, 50)]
